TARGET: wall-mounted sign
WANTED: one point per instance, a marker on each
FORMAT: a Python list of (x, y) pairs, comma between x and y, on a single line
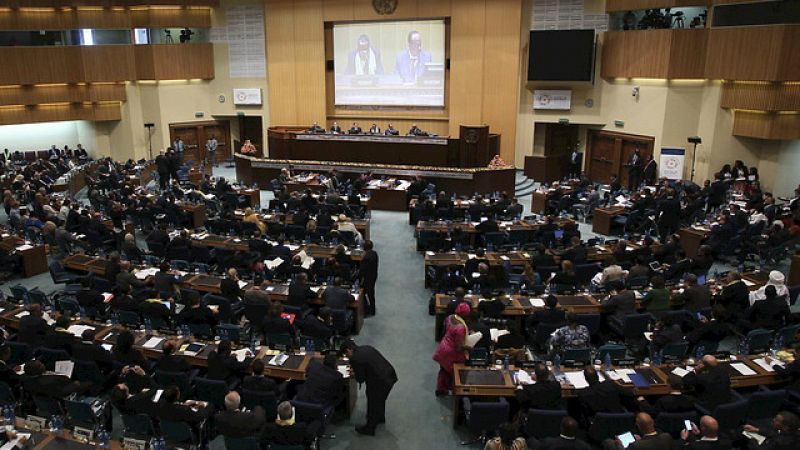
[(550, 99), (247, 96)]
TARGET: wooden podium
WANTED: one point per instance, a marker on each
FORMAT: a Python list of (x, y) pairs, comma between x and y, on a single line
[(474, 149)]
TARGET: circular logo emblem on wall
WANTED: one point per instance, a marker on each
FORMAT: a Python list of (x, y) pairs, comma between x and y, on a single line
[(384, 6), (672, 163), (471, 137)]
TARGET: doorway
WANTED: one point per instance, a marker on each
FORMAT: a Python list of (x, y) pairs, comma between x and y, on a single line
[(607, 153), (195, 135)]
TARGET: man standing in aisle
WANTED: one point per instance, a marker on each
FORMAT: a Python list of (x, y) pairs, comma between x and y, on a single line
[(179, 147), (163, 169), (635, 164), (370, 367), (211, 150), (368, 271)]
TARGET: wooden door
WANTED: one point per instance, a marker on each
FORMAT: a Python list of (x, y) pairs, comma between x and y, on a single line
[(195, 135), (608, 152), (601, 157)]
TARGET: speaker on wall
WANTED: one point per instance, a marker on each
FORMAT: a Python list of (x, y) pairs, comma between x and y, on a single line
[(447, 64), (329, 65)]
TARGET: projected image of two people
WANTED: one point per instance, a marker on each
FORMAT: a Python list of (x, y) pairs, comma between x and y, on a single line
[(410, 64)]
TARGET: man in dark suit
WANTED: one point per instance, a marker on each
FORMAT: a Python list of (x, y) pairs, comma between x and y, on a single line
[(620, 304), (368, 273), (32, 327), (138, 403), (771, 313), (694, 297), (257, 382), (237, 423), (716, 192), (58, 337), (336, 297), (711, 382), (323, 383), (648, 438), (355, 129), (706, 437), (370, 367), (668, 214), (191, 411), (567, 440), (222, 365), (89, 350), (335, 128), (35, 381), (650, 171), (163, 169), (635, 164), (365, 59), (599, 396), (674, 402), (169, 361), (545, 393), (88, 297), (196, 313), (735, 296)]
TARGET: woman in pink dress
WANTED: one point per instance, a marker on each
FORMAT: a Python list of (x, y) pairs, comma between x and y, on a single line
[(451, 349)]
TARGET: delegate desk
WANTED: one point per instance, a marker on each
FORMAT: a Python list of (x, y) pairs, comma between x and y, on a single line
[(604, 218), (475, 148), (32, 257), (493, 382), (362, 225), (443, 227), (692, 238), (387, 195), (518, 306)]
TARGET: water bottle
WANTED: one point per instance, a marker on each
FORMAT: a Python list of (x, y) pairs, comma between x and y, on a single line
[(505, 363), (776, 346), (657, 358), (148, 325), (744, 348), (607, 362), (114, 318), (254, 345), (102, 437), (53, 423), (59, 424), (8, 417), (310, 346), (557, 364), (699, 352), (740, 268), (81, 312)]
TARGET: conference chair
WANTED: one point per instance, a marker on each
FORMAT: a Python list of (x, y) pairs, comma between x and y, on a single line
[(616, 351), (632, 326), (577, 355), (313, 412), (47, 406), (49, 356), (20, 353), (544, 423), (229, 332), (788, 334), (675, 350), (242, 443), (59, 275), (267, 400), (179, 379), (590, 321), (483, 417), (82, 412), (729, 415), (137, 426), (758, 340), (178, 434), (211, 391), (764, 404), (19, 293)]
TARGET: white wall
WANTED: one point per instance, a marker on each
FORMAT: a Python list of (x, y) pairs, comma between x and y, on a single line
[(786, 177), (40, 136)]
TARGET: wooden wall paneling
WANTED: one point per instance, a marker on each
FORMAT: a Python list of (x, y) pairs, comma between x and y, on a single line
[(613, 58), (35, 65), (337, 10), (764, 125), (108, 63), (763, 96), (687, 56), (111, 18), (630, 54), (501, 87), (37, 19), (60, 93), (789, 66), (183, 61), (467, 47), (59, 112), (744, 53), (309, 37), (170, 17), (406, 9), (105, 3), (144, 62), (280, 62)]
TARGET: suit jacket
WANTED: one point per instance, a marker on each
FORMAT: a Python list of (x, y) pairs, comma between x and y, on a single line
[(221, 367), (541, 395), (603, 397), (141, 403), (297, 434), (371, 367), (670, 212), (323, 385), (260, 384), (50, 385), (173, 363), (768, 313), (559, 443), (719, 444), (713, 386), (32, 329), (178, 412), (735, 297), (660, 441), (694, 298), (672, 403), (337, 297), (368, 270), (239, 423), (90, 351), (621, 305)]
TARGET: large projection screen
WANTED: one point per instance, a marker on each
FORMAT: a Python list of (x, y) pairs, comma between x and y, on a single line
[(389, 63)]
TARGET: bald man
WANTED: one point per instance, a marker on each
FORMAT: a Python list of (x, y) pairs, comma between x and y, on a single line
[(711, 381), (237, 422), (567, 440), (706, 437), (647, 439)]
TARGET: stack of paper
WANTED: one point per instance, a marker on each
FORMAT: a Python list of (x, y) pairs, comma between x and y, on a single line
[(537, 302), (473, 339), (681, 372), (524, 377), (77, 330), (65, 368), (272, 265), (621, 374), (144, 273), (743, 369), (242, 284), (768, 366), (242, 354), (278, 360), (495, 333), (152, 342), (343, 369), (24, 247)]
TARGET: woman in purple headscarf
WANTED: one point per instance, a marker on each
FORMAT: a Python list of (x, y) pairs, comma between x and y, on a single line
[(452, 349)]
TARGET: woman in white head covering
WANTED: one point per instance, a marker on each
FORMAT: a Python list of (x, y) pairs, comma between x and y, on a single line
[(776, 279)]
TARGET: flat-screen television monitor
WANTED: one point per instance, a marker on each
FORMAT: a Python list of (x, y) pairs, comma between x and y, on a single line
[(561, 55), (399, 63)]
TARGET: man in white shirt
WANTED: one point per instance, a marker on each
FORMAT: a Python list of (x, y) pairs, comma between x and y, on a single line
[(211, 150), (344, 224)]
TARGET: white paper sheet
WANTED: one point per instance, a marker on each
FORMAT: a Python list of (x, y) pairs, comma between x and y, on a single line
[(743, 369), (524, 377), (242, 354), (153, 342), (537, 302), (272, 265), (77, 330), (495, 333), (576, 379), (65, 368), (768, 366), (473, 339), (680, 371)]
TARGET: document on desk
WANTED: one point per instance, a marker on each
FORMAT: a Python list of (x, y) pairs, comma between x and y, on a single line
[(473, 339), (242, 354), (496, 333), (755, 436), (77, 330), (748, 283), (278, 360), (680, 371), (242, 284), (471, 256), (64, 368), (576, 379), (768, 366), (144, 273), (505, 258), (153, 342), (537, 302), (621, 374), (524, 377), (24, 247), (743, 369), (17, 442), (272, 265)]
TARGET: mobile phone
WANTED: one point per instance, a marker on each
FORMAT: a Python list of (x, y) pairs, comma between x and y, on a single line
[(688, 425), (626, 439)]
